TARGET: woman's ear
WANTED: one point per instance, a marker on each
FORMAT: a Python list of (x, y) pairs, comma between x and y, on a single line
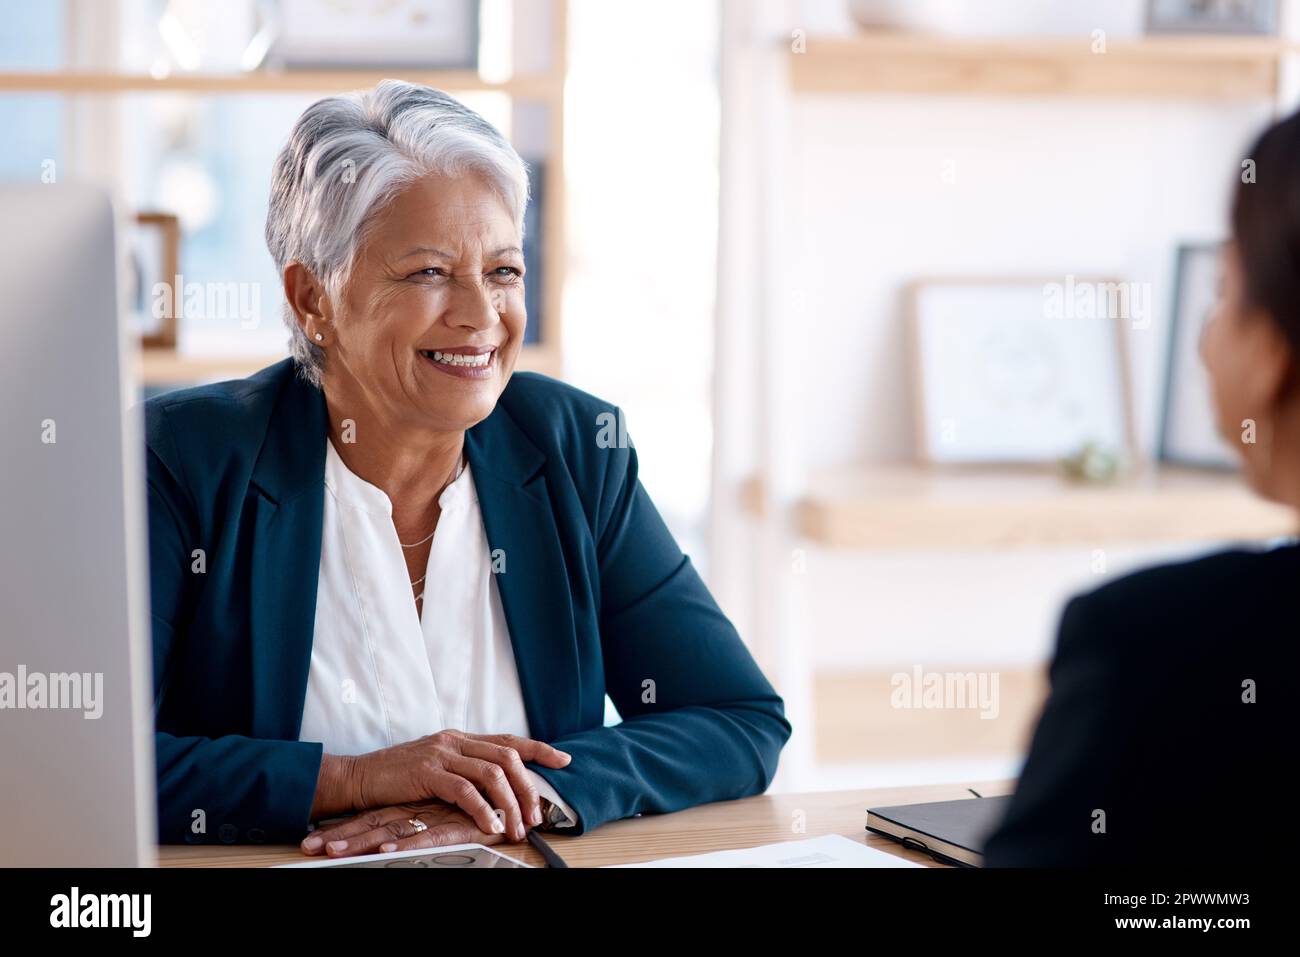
[(306, 297), (1271, 364)]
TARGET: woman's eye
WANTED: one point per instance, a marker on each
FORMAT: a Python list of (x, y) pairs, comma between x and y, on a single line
[(433, 272), (506, 274)]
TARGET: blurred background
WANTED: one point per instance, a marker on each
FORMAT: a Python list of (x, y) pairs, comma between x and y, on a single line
[(900, 297)]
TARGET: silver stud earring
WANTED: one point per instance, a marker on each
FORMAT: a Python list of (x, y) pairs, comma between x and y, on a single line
[(319, 337)]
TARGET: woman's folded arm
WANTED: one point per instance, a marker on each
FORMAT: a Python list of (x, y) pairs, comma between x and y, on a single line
[(234, 789), (657, 763), (700, 721)]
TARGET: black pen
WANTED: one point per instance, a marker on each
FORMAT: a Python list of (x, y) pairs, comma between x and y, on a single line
[(548, 854)]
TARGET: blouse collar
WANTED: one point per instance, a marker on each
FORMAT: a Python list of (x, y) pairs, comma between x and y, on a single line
[(351, 489)]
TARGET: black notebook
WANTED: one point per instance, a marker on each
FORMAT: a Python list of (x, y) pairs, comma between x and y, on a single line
[(951, 831)]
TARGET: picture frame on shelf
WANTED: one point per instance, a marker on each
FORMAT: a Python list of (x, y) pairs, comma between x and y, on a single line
[(377, 34), (153, 257), (534, 253), (1211, 17), (1018, 371), (1188, 431)]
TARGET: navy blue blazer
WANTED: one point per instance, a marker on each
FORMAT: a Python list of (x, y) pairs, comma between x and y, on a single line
[(1170, 714), (598, 597)]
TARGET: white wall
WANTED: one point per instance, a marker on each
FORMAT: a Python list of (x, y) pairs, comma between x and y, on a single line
[(986, 609), (641, 141), (1040, 187)]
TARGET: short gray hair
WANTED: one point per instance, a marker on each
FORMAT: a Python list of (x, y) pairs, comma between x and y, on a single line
[(347, 156)]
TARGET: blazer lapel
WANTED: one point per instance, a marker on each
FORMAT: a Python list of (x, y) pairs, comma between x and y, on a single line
[(534, 586), (289, 499)]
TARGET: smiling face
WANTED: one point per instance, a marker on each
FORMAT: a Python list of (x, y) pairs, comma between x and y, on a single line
[(427, 330)]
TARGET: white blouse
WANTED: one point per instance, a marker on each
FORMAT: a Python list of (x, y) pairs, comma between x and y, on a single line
[(381, 674)]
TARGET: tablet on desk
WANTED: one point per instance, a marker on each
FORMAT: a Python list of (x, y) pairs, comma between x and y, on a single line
[(438, 858)]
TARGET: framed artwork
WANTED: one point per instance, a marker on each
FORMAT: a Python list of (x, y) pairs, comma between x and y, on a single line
[(1018, 371), (1241, 17), (154, 256), (343, 34), (534, 282), (1188, 431)]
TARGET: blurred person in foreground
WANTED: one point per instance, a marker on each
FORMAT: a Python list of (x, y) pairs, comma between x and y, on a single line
[(1170, 727)]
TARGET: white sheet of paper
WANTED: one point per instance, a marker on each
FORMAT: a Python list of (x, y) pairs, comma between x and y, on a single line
[(829, 850)]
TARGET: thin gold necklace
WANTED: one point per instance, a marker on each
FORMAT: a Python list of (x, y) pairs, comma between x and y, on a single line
[(460, 467)]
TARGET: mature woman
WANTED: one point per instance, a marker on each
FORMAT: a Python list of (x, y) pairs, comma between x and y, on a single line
[(392, 580), (1168, 737)]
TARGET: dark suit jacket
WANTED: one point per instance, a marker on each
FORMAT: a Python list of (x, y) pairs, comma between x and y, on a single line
[(1146, 722), (597, 595)]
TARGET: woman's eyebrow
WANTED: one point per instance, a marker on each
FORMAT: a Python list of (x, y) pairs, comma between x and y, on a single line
[(434, 251), (427, 251)]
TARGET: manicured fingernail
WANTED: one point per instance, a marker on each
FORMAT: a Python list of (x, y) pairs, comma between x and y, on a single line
[(566, 755), (535, 817), (337, 846), (387, 847), (497, 826), (312, 844)]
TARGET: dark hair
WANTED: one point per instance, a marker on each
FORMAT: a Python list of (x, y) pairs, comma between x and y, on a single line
[(1266, 225)]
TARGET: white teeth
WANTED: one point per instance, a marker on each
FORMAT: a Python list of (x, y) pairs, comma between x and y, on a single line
[(453, 359)]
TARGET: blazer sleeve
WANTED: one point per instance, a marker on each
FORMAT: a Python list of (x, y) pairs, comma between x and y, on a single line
[(700, 722), (230, 788), (1073, 769)]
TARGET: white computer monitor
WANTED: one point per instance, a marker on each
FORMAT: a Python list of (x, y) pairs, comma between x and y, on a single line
[(76, 742)]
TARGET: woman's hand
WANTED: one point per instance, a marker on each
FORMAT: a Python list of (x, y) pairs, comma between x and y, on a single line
[(459, 769), (390, 829)]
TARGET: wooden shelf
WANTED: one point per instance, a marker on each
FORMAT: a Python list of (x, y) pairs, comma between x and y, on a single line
[(163, 367), (914, 507), (877, 62), (269, 81)]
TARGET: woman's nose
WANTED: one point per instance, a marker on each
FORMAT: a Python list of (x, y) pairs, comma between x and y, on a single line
[(473, 305)]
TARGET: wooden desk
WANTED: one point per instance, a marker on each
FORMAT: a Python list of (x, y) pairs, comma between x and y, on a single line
[(765, 819)]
